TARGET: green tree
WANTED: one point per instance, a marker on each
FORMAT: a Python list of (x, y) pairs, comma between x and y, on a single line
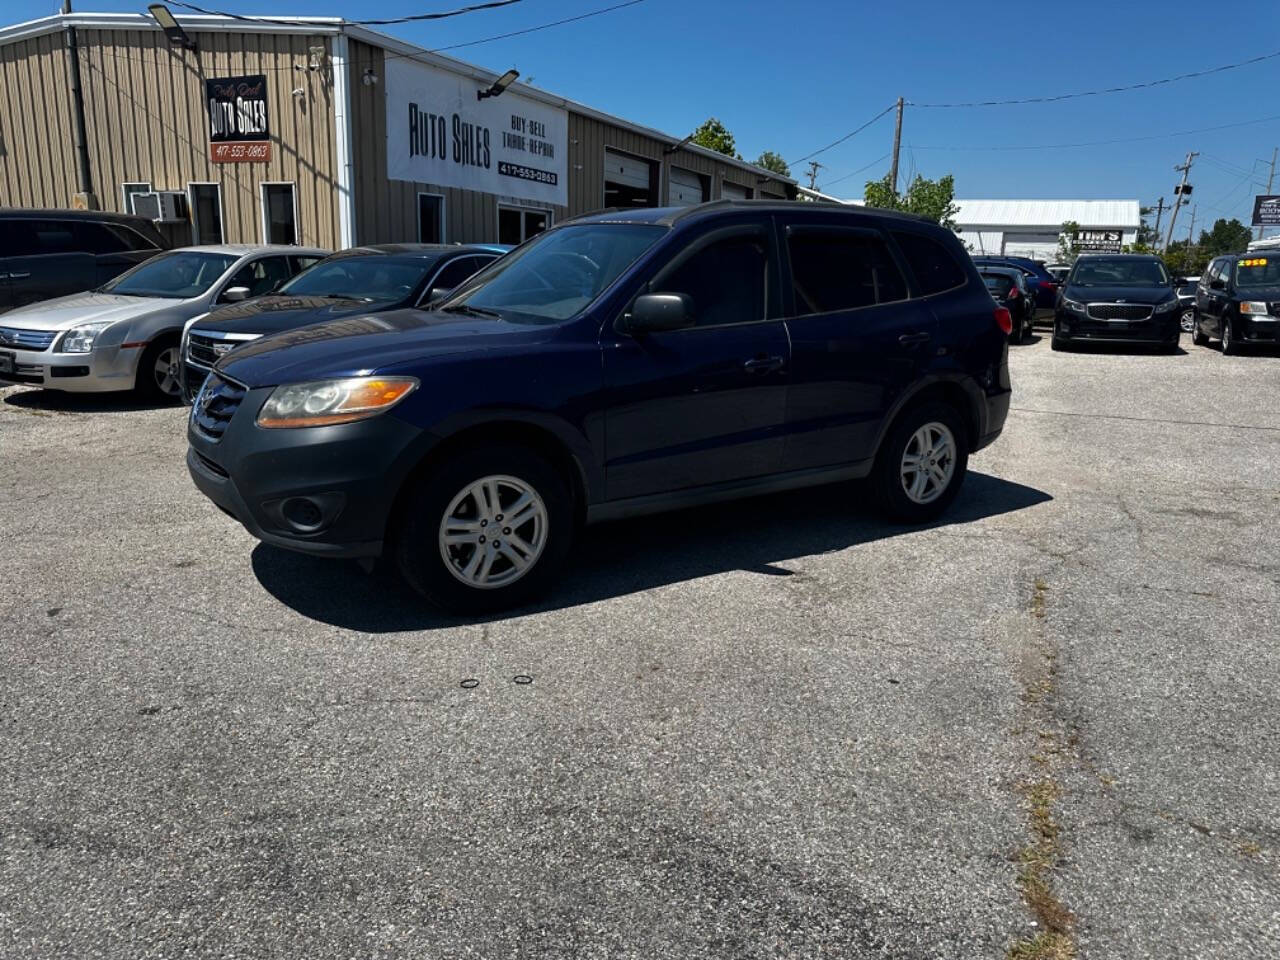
[(1227, 236), (1147, 238), (934, 199), (1068, 243), (715, 136), (771, 161)]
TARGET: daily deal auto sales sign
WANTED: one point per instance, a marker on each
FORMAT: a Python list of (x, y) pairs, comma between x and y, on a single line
[(239, 131), (439, 133)]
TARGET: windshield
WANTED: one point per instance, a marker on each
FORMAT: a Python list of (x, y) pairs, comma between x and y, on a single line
[(1120, 273), (360, 278), (1258, 272), (179, 275), (556, 274)]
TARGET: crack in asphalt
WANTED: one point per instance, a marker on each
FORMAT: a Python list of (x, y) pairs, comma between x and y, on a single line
[(1121, 416)]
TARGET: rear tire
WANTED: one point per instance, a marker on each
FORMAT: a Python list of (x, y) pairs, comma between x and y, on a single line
[(157, 379), (461, 510), (1229, 348), (921, 463)]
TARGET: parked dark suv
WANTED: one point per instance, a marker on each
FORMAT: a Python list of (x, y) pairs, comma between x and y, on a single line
[(618, 364), (50, 253), (1120, 297), (1238, 301)]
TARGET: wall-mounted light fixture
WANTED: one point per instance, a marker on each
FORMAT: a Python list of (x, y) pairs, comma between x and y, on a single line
[(172, 29), (667, 151), (368, 78), (499, 85)]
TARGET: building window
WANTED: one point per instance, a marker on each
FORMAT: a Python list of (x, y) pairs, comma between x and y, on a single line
[(430, 218), (518, 224), (279, 213), (206, 212), (127, 192)]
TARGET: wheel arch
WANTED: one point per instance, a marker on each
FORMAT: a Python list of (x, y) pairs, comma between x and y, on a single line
[(961, 393)]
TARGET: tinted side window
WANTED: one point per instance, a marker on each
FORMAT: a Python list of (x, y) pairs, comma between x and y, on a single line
[(842, 270), (53, 236), (95, 238), (455, 272), (935, 267), (725, 280), (302, 263), (17, 238), (131, 239)]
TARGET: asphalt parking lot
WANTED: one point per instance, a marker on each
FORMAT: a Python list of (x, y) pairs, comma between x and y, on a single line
[(772, 728)]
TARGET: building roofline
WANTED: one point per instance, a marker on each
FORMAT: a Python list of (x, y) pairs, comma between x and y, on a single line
[(332, 26)]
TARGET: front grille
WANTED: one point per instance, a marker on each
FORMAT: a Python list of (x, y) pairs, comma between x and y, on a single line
[(1273, 308), (200, 350), (215, 405), (27, 339), (1119, 311)]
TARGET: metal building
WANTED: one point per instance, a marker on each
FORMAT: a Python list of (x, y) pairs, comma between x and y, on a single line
[(1031, 228), (318, 131)]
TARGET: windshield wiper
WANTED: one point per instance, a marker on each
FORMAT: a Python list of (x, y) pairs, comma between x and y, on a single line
[(474, 311)]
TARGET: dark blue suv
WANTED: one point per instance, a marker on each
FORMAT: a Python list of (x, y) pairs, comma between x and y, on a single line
[(621, 363)]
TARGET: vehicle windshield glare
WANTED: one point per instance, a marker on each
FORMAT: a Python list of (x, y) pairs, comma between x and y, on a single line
[(557, 274), (180, 275), (1258, 272), (360, 278), (1120, 273)]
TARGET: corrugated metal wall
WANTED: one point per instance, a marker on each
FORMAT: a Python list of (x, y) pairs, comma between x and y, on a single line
[(156, 123)]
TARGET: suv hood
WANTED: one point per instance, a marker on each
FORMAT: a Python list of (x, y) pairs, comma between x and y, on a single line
[(1146, 295), (1271, 292), (275, 313), (371, 342), (63, 313)]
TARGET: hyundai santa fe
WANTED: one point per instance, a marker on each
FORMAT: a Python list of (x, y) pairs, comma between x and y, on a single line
[(618, 364)]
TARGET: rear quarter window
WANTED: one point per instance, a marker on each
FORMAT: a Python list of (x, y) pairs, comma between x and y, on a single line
[(935, 267)]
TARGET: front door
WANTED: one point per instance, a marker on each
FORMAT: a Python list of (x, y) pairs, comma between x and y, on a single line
[(857, 342), (706, 404)]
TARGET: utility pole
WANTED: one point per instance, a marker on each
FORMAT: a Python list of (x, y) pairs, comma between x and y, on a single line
[(1182, 194), (897, 143), (84, 198), (1159, 214), (1270, 179), (814, 165)]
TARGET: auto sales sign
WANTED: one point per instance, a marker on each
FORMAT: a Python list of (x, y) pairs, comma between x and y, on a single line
[(439, 133), (1266, 211), (239, 131)]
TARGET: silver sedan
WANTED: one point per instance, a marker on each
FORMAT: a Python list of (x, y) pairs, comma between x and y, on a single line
[(125, 334)]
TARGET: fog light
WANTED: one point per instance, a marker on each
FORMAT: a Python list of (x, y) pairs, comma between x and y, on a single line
[(303, 515)]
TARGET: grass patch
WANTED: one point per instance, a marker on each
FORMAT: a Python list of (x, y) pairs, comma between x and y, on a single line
[(1045, 946)]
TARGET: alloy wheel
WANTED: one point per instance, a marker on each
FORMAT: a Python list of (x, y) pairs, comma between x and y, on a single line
[(928, 463), (493, 532), (166, 372), (1188, 321)]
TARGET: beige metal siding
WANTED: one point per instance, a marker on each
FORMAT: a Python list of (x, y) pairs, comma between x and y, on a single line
[(147, 121)]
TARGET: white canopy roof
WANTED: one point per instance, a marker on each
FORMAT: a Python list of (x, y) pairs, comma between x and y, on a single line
[(1049, 213)]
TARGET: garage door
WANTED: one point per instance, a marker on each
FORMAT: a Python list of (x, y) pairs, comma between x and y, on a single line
[(731, 191), (627, 171), (1037, 246), (686, 188)]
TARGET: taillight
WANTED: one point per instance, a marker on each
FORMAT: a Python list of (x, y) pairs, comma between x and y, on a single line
[(1013, 293), (1004, 319)]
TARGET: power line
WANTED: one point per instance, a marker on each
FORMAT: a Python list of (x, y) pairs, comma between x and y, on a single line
[(1101, 143), (412, 18), (847, 136), (545, 26), (846, 176), (1105, 90)]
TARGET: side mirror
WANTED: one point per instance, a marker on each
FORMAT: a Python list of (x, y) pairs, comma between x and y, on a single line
[(235, 294), (659, 312), (1217, 285), (439, 293)]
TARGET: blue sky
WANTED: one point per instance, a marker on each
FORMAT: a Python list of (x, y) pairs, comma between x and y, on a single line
[(792, 77)]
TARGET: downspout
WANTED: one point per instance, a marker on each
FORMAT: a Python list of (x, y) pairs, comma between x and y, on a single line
[(84, 197), (345, 179)]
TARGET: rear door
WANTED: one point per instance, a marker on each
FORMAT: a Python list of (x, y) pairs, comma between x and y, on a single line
[(706, 404), (857, 339), (53, 262)]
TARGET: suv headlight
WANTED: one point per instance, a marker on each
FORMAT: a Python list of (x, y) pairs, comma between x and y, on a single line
[(1255, 308), (1075, 306), (320, 403), (1167, 306), (80, 339)]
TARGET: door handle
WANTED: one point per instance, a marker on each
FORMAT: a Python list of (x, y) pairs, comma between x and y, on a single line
[(763, 364), (19, 276), (911, 339)]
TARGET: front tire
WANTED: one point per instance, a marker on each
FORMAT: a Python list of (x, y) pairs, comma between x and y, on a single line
[(1229, 347), (485, 530), (1188, 320), (157, 379), (922, 462), (1058, 342), (1197, 335)]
